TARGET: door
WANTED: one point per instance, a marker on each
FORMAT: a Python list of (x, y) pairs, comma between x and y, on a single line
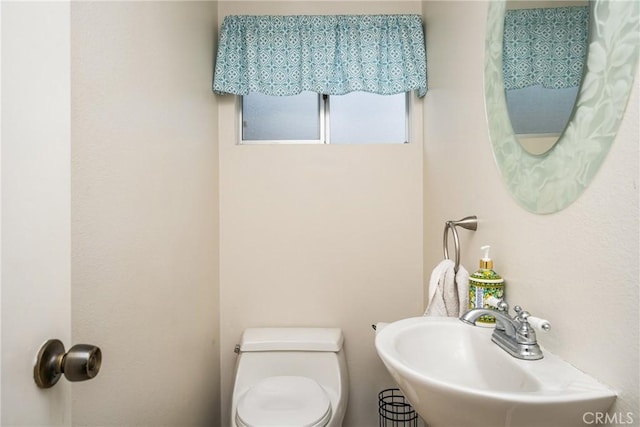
[(35, 206)]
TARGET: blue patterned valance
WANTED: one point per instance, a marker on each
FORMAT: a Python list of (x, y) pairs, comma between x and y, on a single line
[(545, 47), (334, 54)]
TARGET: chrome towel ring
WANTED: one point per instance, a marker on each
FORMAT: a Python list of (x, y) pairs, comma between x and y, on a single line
[(470, 223)]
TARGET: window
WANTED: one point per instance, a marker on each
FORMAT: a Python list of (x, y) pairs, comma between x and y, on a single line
[(355, 118)]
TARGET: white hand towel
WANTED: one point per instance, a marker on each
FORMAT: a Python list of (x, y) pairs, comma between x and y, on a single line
[(448, 291)]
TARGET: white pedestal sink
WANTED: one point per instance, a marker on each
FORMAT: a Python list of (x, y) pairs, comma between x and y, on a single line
[(455, 376)]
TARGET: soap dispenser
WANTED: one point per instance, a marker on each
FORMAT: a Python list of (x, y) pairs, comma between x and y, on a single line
[(483, 284)]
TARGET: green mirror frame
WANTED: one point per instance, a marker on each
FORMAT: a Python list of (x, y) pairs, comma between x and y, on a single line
[(550, 182)]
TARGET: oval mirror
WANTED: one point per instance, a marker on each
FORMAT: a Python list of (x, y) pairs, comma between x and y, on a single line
[(544, 46), (549, 182)]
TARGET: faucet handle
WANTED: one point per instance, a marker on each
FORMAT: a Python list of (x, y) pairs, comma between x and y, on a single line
[(521, 315), (539, 323), (498, 303)]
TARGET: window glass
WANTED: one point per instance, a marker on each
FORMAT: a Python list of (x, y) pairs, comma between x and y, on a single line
[(537, 110), (363, 118), (279, 118)]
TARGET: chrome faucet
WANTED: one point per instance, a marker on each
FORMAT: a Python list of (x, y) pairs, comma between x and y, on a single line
[(515, 335)]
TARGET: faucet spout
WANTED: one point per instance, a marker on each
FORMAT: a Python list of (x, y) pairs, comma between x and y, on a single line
[(503, 321)]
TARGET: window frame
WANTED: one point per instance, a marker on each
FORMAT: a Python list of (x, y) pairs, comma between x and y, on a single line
[(325, 126)]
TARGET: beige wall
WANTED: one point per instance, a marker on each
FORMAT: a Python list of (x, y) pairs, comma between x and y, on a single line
[(144, 211), (319, 235), (579, 267)]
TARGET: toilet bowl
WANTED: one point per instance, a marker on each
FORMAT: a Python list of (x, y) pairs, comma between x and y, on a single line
[(290, 377)]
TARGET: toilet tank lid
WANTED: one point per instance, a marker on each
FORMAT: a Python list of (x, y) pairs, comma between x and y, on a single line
[(291, 339)]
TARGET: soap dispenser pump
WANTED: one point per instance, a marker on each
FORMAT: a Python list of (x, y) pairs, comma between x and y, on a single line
[(483, 284)]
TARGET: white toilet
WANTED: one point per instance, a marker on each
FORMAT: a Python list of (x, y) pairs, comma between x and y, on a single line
[(290, 377)]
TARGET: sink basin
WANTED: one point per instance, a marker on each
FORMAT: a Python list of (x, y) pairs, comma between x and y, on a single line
[(454, 375)]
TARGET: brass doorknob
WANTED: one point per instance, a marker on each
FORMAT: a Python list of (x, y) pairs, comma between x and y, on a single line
[(82, 362)]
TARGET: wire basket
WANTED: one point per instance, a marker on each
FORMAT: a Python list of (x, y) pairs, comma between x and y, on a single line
[(394, 410)]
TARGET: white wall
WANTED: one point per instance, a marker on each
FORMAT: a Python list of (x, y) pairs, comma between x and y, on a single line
[(144, 211), (319, 235), (579, 267), (35, 245)]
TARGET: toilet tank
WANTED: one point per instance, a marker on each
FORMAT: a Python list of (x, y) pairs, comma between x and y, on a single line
[(291, 339), (310, 352)]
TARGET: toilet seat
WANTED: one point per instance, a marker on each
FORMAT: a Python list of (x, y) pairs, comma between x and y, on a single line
[(284, 401)]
